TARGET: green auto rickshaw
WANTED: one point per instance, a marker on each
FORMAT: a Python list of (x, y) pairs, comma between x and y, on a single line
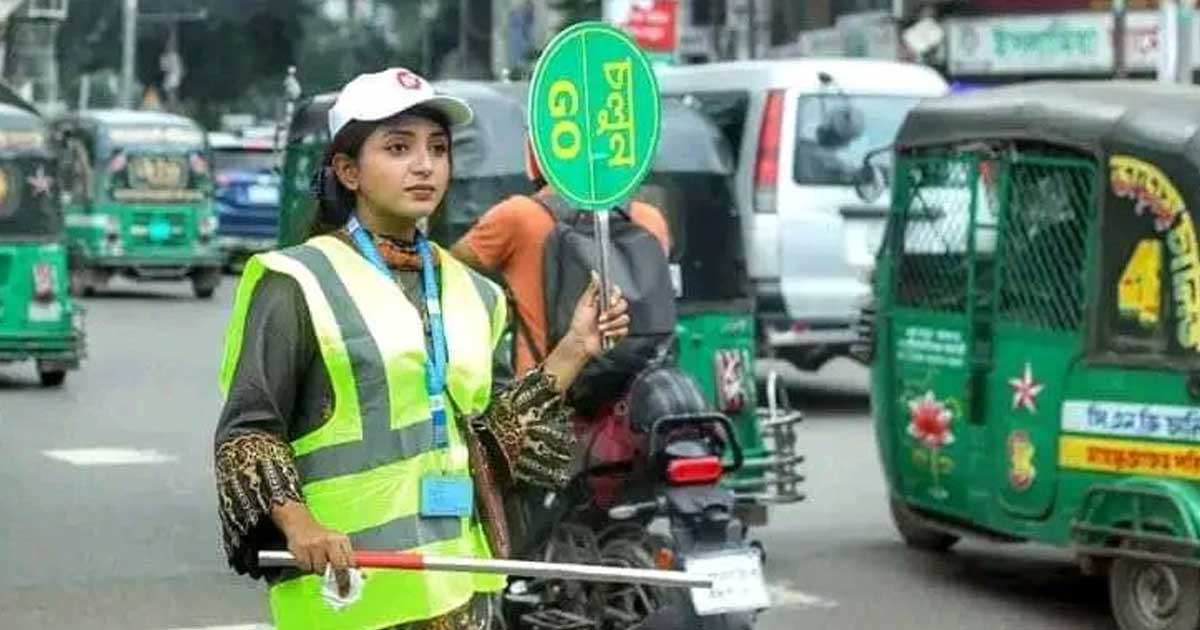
[(138, 199), (692, 183), (38, 321), (488, 163), (1037, 332)]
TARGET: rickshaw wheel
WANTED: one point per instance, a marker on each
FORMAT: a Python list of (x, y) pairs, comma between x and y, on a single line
[(916, 534), (52, 378), (1149, 595)]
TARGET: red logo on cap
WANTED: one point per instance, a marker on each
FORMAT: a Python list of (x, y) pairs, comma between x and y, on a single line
[(408, 80)]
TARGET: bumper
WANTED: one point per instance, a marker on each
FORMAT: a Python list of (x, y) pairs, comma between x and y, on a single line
[(245, 244), (150, 262), (831, 336), (66, 350)]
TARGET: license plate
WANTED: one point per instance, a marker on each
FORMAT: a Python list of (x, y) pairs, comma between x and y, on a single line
[(159, 231), (262, 195), (51, 312), (738, 583)]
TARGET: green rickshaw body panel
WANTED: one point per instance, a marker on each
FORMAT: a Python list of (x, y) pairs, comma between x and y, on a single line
[(141, 191), (1038, 329), (32, 328)]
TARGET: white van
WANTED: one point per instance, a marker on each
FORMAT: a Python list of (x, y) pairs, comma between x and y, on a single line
[(800, 129)]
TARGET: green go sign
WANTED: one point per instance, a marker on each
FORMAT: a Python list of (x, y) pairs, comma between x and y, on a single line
[(594, 115)]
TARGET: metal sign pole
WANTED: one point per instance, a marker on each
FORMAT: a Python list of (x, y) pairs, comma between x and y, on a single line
[(581, 572), (603, 244)]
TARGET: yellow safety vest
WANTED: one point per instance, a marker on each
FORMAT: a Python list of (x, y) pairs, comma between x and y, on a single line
[(361, 469)]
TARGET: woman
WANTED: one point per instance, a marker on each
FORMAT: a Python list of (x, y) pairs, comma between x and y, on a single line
[(360, 410)]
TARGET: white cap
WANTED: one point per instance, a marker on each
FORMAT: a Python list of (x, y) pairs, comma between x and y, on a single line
[(381, 95)]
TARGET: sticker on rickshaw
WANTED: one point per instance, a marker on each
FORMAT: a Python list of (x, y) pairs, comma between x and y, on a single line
[(1129, 457), (155, 135), (25, 140), (1156, 197), (1117, 419), (1139, 296), (932, 347), (931, 424), (1021, 471), (731, 379), (1025, 390)]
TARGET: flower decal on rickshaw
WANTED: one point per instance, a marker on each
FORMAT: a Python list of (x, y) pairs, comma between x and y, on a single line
[(929, 421)]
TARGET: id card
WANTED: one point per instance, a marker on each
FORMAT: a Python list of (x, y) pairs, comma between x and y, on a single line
[(447, 496)]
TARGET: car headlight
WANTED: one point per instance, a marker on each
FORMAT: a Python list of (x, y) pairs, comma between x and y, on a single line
[(208, 225)]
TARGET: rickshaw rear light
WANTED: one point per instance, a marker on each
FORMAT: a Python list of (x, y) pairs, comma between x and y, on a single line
[(766, 167), (696, 470), (43, 282), (198, 163), (117, 163)]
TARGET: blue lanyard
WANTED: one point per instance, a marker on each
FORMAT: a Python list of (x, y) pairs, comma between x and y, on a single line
[(435, 331)]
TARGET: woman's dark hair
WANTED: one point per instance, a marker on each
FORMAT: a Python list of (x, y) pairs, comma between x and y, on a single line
[(335, 202)]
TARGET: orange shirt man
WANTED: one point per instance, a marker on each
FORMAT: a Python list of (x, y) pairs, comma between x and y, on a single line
[(509, 239)]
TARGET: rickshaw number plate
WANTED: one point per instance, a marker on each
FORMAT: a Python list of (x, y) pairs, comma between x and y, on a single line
[(160, 231), (594, 115), (738, 582), (51, 312)]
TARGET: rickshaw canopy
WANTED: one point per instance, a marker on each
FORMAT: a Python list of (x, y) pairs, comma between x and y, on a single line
[(1162, 120)]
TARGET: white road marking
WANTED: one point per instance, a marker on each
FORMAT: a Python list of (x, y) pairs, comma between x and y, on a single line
[(108, 456), (784, 596)]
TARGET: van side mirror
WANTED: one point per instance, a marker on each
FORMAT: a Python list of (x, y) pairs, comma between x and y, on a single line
[(870, 183)]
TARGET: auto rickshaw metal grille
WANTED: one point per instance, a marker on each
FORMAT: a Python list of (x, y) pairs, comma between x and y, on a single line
[(1008, 232), (937, 194), (1048, 206)]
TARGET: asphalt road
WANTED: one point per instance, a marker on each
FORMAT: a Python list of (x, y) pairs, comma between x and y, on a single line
[(108, 505)]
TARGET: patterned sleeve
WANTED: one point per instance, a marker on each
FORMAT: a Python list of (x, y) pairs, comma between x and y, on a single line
[(530, 428), (255, 472)]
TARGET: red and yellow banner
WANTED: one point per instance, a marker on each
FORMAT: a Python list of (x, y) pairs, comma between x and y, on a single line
[(1129, 457)]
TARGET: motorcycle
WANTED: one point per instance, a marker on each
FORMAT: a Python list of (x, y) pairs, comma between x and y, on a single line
[(689, 448)]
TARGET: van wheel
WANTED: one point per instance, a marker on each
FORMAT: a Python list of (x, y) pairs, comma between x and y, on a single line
[(1147, 595), (915, 533), (52, 378)]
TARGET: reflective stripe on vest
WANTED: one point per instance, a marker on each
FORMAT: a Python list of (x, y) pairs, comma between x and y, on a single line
[(361, 468)]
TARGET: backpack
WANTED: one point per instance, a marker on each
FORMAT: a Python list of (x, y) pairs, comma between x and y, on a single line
[(638, 266)]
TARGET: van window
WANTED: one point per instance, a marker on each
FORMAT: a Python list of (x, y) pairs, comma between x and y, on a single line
[(834, 132), (728, 111)]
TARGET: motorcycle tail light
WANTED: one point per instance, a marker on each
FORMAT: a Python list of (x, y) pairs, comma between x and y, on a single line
[(43, 283), (665, 559), (697, 470)]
